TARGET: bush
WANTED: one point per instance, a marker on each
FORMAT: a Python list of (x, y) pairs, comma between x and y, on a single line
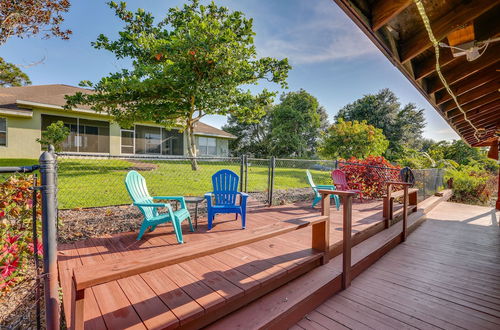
[(471, 184), (370, 174), (16, 239)]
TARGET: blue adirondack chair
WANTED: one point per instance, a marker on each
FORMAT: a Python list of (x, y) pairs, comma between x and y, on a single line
[(223, 198), (317, 196), (138, 191)]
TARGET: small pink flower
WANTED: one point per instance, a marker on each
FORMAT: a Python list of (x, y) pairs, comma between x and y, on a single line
[(9, 268), (12, 239)]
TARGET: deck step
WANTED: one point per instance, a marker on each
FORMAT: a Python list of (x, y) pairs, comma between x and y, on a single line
[(287, 305)]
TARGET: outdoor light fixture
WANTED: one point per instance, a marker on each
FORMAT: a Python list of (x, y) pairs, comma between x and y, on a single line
[(472, 49)]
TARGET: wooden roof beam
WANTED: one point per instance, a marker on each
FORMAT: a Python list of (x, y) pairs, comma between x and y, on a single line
[(385, 10), (427, 66), (482, 111), (441, 27), (485, 118), (474, 81), (491, 97), (458, 71), (471, 96)]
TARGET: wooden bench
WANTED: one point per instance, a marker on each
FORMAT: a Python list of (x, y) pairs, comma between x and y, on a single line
[(85, 277), (388, 210)]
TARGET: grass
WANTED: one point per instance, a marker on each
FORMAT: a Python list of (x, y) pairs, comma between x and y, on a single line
[(100, 182)]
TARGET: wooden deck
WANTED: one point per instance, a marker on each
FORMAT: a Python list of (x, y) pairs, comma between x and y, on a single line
[(446, 275), (198, 292)]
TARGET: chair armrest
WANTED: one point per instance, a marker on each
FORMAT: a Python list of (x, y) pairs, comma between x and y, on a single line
[(242, 194), (326, 186), (173, 198), (152, 204), (208, 197), (244, 197)]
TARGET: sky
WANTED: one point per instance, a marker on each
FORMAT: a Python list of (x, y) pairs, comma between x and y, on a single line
[(330, 57)]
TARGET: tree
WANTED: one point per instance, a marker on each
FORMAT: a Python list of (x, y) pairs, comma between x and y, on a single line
[(191, 64), (251, 138), (29, 17), (401, 126), (347, 139), (54, 134), (11, 75), (296, 125)]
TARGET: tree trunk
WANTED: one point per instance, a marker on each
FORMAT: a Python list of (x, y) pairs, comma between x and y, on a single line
[(192, 147)]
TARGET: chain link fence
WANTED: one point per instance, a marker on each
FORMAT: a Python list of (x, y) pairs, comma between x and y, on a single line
[(94, 181)]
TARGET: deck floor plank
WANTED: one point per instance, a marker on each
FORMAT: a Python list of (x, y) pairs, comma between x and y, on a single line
[(444, 276), (179, 294)]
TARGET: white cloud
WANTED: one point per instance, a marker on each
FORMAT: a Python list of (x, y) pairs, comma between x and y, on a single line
[(321, 33)]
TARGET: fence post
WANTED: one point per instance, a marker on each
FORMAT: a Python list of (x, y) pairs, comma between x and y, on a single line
[(425, 194), (272, 165), (246, 173), (49, 238), (242, 171)]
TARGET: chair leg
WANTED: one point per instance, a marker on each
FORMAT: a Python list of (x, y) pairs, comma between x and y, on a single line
[(210, 219), (178, 230), (236, 216), (153, 228), (337, 202), (143, 229), (243, 219), (191, 229), (315, 201)]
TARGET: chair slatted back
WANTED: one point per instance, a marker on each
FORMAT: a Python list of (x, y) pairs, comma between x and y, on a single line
[(138, 191), (225, 184), (340, 180), (310, 179)]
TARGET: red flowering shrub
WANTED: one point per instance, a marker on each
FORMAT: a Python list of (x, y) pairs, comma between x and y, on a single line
[(16, 241), (370, 173)]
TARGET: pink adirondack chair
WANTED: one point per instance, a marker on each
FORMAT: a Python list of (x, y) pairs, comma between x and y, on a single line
[(340, 181)]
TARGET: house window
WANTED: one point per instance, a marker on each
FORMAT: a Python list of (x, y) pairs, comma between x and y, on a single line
[(207, 146), (152, 140), (85, 135), (3, 132), (127, 143)]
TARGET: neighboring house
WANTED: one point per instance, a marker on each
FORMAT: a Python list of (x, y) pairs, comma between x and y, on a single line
[(26, 111)]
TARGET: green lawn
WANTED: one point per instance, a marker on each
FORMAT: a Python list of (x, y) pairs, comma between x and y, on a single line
[(100, 182)]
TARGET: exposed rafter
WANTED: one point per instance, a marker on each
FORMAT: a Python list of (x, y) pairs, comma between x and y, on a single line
[(384, 10), (458, 16)]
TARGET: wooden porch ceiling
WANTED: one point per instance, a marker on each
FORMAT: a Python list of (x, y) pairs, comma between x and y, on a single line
[(397, 29)]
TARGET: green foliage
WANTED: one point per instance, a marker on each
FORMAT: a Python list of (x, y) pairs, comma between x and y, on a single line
[(295, 125), (192, 63), (347, 139), (55, 134), (402, 126), (471, 184), (16, 239), (289, 129), (11, 75)]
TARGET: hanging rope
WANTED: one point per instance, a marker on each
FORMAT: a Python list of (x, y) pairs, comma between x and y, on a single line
[(435, 43)]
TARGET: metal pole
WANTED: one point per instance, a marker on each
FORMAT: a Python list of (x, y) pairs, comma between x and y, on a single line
[(49, 238), (269, 183), (271, 188), (35, 250), (242, 169), (246, 173)]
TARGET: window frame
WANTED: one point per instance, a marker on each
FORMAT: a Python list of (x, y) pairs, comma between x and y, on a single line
[(6, 133), (133, 141), (207, 145)]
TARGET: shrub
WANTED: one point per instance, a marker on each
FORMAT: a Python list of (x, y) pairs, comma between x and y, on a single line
[(370, 174), (16, 239), (471, 184)]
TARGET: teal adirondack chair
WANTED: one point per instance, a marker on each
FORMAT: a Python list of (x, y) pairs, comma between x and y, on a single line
[(138, 191), (317, 196)]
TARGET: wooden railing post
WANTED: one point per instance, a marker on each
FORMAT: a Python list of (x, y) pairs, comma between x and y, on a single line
[(404, 233), (77, 309), (321, 231), (346, 228), (346, 240)]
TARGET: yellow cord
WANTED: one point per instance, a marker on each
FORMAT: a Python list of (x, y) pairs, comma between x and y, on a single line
[(435, 43)]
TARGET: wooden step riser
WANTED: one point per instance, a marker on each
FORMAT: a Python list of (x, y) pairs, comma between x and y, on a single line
[(256, 294)]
